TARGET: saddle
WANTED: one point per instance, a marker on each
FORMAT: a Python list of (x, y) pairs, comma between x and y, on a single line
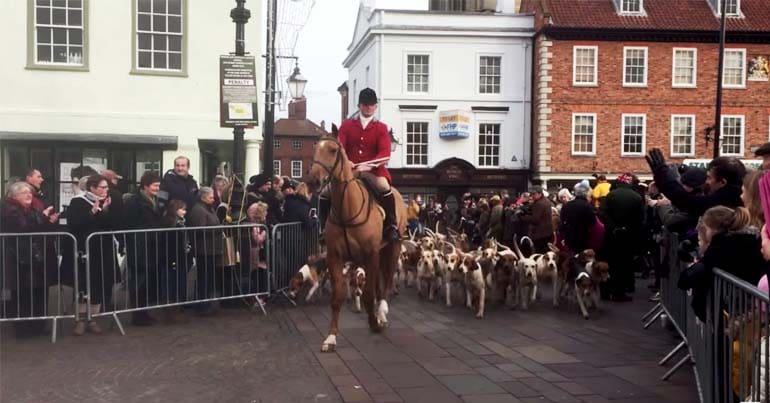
[(370, 184)]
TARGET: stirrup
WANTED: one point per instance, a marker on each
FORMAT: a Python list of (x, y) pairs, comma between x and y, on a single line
[(390, 234)]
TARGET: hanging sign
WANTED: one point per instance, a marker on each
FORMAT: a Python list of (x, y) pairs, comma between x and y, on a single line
[(454, 124), (237, 91), (704, 164)]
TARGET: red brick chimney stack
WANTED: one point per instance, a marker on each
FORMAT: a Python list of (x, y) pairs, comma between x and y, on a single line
[(298, 109)]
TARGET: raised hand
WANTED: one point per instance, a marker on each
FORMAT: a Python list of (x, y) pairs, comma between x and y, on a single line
[(655, 159)]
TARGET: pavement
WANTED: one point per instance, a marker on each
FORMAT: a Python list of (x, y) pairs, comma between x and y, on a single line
[(430, 353)]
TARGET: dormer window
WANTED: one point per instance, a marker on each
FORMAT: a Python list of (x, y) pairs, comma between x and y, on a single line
[(732, 8), (631, 7)]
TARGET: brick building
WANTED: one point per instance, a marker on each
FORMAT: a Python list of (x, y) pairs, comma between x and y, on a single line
[(615, 78), (293, 142)]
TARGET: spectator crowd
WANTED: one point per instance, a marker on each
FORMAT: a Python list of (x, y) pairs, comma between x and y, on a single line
[(152, 266)]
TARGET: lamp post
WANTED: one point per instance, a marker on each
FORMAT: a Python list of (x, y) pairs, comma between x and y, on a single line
[(393, 141), (240, 16), (297, 83), (718, 110)]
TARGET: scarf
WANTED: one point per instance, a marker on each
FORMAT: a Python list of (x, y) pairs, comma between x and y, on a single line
[(365, 121), (148, 198), (89, 197)]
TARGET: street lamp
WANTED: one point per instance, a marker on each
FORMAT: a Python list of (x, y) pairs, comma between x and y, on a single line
[(296, 83), (393, 141)]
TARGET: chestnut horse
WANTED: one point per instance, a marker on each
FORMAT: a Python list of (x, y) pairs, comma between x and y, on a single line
[(353, 233)]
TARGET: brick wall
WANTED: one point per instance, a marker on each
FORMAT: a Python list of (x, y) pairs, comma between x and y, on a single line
[(557, 99), (286, 153)]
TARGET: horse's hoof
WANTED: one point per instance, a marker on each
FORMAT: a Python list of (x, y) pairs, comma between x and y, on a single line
[(330, 344), (479, 316)]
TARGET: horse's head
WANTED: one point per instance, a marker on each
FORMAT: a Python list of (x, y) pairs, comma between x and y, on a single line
[(329, 159)]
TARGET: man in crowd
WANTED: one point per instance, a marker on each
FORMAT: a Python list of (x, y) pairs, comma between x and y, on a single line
[(178, 184), (539, 219), (622, 213), (116, 197), (577, 219), (261, 190), (763, 152), (724, 179), (35, 179), (208, 247)]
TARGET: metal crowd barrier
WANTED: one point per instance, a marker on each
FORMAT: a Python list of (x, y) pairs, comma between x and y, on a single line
[(137, 270), (38, 279), (730, 350), (292, 243)]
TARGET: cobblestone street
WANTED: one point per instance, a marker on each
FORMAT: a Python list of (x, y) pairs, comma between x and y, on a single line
[(429, 354)]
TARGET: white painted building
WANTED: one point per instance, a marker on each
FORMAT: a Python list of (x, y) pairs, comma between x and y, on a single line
[(471, 67), (125, 84)]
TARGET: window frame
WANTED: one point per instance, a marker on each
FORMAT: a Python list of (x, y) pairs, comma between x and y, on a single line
[(743, 136), (406, 143), (429, 55), (694, 83), (276, 144), (296, 144), (692, 135), (623, 134), (625, 65), (33, 64), (293, 167), (624, 12), (593, 135), (277, 171), (499, 124), (479, 56), (737, 12), (595, 82), (742, 85), (135, 50)]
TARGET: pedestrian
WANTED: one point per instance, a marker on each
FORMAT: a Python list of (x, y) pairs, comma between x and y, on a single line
[(208, 246), (89, 213), (622, 213), (751, 199), (367, 144), (672, 218), (277, 186), (483, 222), (116, 198), (577, 219), (35, 179), (539, 220), (763, 152), (143, 212), (219, 184), (496, 223), (175, 260), (28, 263), (257, 214), (563, 197), (260, 190), (413, 217), (467, 214), (724, 179), (296, 208), (179, 184)]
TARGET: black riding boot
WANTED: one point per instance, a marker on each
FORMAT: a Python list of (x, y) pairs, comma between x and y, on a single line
[(390, 230), (324, 205)]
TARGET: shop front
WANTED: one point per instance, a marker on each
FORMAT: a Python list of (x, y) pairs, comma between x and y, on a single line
[(64, 159)]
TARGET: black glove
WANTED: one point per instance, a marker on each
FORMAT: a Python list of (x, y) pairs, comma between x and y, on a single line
[(655, 160)]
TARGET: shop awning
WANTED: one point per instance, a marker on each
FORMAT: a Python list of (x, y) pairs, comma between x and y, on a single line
[(166, 142)]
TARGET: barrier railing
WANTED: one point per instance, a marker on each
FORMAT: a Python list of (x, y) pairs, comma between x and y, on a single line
[(38, 278), (292, 243), (730, 349), (138, 270)]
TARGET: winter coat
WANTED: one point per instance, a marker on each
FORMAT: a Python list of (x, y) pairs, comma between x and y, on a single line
[(274, 213), (737, 253), (174, 247), (205, 242), (623, 209), (81, 223), (38, 202), (509, 225), (496, 224), (142, 248), (539, 219), (362, 145), (176, 187), (695, 205), (296, 208), (676, 220), (601, 191), (31, 262), (577, 219)]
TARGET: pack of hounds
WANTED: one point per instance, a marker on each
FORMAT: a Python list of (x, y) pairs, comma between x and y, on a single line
[(439, 262)]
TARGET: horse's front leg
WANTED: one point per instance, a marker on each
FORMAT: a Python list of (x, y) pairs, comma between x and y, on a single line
[(338, 297)]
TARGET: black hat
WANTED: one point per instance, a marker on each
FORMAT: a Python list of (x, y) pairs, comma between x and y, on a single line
[(367, 96), (763, 150), (694, 177), (259, 180), (289, 184)]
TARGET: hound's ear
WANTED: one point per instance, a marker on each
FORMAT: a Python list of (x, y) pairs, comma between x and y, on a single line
[(334, 130)]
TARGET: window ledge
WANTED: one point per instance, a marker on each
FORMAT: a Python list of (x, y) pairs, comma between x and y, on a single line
[(684, 86), (583, 154), (682, 155), (161, 73), (631, 155), (574, 84), (625, 85), (57, 67), (734, 87)]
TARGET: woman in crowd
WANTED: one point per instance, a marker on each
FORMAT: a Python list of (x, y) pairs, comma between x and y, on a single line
[(29, 264), (88, 213), (219, 184), (143, 212), (257, 214), (296, 207), (175, 260), (563, 197), (751, 199), (209, 248)]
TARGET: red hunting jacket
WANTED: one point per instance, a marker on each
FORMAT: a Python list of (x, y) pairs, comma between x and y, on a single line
[(366, 145)]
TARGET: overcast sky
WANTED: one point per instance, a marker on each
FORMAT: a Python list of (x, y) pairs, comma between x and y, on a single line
[(322, 46)]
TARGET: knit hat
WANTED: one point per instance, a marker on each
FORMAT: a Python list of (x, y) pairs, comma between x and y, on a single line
[(536, 189), (625, 178), (259, 180), (694, 177), (289, 185)]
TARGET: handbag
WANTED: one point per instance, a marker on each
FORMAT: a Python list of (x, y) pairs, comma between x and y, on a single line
[(231, 255), (596, 235)]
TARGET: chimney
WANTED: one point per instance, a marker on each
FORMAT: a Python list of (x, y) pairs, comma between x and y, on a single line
[(298, 109)]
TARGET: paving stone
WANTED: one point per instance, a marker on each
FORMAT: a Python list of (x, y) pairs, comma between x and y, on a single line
[(519, 389), (614, 388), (345, 380), (470, 385), (476, 362), (387, 398), (496, 359), (504, 398), (576, 370), (594, 399), (546, 355), (573, 388), (446, 366), (494, 374), (354, 394), (509, 367), (407, 375), (433, 394), (551, 377)]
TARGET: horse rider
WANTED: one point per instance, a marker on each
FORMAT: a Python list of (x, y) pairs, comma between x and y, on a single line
[(367, 144)]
